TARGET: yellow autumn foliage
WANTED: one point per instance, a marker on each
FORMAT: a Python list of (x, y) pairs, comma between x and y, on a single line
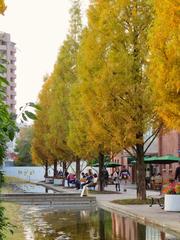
[(2, 7), (164, 70)]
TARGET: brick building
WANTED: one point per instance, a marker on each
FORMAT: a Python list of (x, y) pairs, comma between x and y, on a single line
[(166, 144), (169, 144)]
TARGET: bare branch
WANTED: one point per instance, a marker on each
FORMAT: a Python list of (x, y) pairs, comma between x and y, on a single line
[(157, 132), (154, 133), (129, 153)]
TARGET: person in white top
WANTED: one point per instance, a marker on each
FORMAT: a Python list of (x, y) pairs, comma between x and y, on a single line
[(124, 175), (116, 177)]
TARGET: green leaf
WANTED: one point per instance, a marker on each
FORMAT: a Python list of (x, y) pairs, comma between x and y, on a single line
[(11, 133), (31, 104), (24, 117), (4, 80), (30, 115), (2, 68)]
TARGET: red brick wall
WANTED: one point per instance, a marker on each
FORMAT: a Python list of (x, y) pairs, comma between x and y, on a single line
[(169, 143)]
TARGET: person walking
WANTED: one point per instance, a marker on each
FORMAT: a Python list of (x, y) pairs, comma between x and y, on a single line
[(177, 173), (116, 177), (124, 175), (105, 175)]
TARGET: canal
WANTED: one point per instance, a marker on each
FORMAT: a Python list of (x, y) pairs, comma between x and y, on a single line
[(56, 224), (53, 223)]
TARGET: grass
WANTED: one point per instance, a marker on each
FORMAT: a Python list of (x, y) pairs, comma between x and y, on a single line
[(131, 201), (12, 213)]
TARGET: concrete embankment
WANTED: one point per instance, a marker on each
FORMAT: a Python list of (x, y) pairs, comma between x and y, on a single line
[(62, 199)]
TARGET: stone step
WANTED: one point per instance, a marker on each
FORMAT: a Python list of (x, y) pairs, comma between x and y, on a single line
[(55, 199)]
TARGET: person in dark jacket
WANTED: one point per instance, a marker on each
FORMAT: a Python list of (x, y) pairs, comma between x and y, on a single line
[(177, 173)]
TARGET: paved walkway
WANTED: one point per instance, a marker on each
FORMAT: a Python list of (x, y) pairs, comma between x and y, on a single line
[(155, 215)]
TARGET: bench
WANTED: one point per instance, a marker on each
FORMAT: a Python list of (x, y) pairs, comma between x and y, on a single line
[(156, 199), (92, 186), (49, 179)]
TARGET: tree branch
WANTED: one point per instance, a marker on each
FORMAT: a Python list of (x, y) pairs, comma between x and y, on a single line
[(157, 132), (129, 153), (154, 133)]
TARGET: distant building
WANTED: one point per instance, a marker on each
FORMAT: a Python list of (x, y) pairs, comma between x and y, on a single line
[(7, 51), (169, 144)]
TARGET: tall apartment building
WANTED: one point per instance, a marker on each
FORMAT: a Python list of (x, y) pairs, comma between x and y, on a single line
[(8, 50)]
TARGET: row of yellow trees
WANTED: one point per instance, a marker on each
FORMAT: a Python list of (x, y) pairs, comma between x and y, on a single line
[(112, 82)]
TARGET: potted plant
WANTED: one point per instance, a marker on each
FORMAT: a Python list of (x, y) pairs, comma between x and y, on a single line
[(172, 197)]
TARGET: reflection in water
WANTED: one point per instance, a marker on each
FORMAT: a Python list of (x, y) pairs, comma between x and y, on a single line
[(97, 224), (101, 224), (32, 188)]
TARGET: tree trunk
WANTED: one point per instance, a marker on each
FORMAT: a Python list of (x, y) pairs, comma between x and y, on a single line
[(64, 171), (46, 169), (141, 184), (64, 168), (55, 168), (77, 168), (101, 166)]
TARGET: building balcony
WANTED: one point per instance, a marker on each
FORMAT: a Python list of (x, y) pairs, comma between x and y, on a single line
[(12, 84), (13, 58), (13, 94), (10, 101), (12, 66), (12, 75), (3, 48)]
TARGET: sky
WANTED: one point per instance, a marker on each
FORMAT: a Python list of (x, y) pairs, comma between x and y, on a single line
[(38, 27)]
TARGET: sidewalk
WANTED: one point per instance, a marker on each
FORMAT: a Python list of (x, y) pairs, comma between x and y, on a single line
[(143, 213)]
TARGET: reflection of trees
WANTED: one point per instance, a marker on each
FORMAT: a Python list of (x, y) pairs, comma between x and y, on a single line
[(101, 224), (77, 224), (141, 231), (88, 225)]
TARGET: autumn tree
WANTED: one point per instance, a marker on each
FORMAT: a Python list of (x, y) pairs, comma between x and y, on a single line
[(41, 152), (114, 84), (63, 76), (2, 7), (23, 146), (164, 68)]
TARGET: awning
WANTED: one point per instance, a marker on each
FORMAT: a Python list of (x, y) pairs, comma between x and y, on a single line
[(167, 159), (108, 164)]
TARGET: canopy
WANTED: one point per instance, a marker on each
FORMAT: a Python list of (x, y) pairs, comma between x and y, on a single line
[(162, 159), (108, 164)]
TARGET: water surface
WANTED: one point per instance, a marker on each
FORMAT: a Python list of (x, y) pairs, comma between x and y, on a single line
[(53, 224), (32, 188)]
